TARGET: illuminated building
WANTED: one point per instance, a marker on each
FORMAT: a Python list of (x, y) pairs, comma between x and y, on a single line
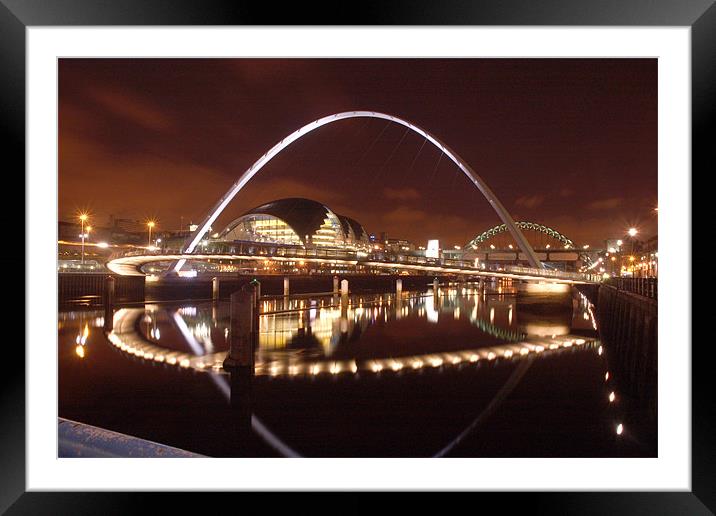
[(297, 222)]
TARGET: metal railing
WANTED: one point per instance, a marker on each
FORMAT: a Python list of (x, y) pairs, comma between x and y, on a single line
[(77, 266), (646, 287), (261, 250), (551, 273)]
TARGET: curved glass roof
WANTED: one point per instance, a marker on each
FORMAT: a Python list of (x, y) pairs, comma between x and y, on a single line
[(307, 217)]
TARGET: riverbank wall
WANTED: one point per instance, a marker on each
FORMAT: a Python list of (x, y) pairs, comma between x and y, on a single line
[(87, 289), (628, 328)]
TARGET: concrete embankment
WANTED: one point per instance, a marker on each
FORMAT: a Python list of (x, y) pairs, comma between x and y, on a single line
[(80, 440)]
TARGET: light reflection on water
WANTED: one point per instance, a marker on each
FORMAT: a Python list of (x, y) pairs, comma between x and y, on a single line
[(324, 327), (295, 331), (372, 336)]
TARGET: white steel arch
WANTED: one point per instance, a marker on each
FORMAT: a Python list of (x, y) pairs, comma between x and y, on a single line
[(196, 237)]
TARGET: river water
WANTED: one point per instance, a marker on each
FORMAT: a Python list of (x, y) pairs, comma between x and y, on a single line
[(464, 373)]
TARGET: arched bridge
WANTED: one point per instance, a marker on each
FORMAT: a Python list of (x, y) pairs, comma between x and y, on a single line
[(223, 202), (525, 226), (132, 265)]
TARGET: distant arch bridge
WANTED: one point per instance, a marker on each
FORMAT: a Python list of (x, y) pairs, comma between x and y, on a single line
[(524, 226)]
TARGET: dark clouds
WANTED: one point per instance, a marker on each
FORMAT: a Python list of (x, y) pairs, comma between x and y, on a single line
[(568, 143)]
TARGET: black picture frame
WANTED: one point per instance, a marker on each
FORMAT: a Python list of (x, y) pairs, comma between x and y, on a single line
[(700, 15)]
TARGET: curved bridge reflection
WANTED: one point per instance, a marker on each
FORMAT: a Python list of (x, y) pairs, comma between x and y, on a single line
[(126, 336)]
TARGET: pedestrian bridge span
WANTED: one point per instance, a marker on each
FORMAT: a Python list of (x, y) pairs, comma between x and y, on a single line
[(132, 265)]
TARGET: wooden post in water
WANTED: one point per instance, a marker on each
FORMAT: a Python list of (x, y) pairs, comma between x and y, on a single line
[(285, 286), (335, 284), (398, 287), (108, 302), (241, 344)]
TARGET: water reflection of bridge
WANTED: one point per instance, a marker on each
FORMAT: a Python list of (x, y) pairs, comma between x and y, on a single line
[(329, 326)]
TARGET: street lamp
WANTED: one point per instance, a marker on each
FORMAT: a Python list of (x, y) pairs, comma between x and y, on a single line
[(83, 219), (150, 225), (632, 232)]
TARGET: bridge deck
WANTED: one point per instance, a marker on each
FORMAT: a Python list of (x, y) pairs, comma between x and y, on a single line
[(131, 266)]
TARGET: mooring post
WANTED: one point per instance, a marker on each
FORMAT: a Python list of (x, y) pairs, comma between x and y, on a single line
[(285, 286), (215, 288), (109, 303), (398, 287), (436, 285), (239, 360), (241, 343), (335, 284), (344, 288)]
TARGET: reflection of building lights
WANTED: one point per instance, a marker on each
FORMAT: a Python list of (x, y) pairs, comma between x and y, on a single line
[(620, 429), (611, 397), (80, 351), (606, 376)]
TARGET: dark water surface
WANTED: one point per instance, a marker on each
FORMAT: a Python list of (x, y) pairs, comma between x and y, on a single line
[(465, 373)]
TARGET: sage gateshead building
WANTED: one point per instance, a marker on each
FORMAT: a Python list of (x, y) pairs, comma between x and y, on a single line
[(297, 222)]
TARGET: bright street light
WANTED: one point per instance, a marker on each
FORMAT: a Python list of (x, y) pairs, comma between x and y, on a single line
[(150, 225), (83, 218), (632, 232)]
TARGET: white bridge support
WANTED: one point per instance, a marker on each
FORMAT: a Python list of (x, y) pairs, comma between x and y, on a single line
[(522, 242)]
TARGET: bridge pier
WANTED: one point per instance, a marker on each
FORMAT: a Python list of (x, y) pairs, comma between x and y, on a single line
[(215, 281), (344, 299), (108, 302)]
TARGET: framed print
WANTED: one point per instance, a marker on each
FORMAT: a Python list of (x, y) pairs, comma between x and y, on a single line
[(410, 250)]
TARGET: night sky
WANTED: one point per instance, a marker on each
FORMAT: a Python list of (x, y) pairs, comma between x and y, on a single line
[(568, 143)]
